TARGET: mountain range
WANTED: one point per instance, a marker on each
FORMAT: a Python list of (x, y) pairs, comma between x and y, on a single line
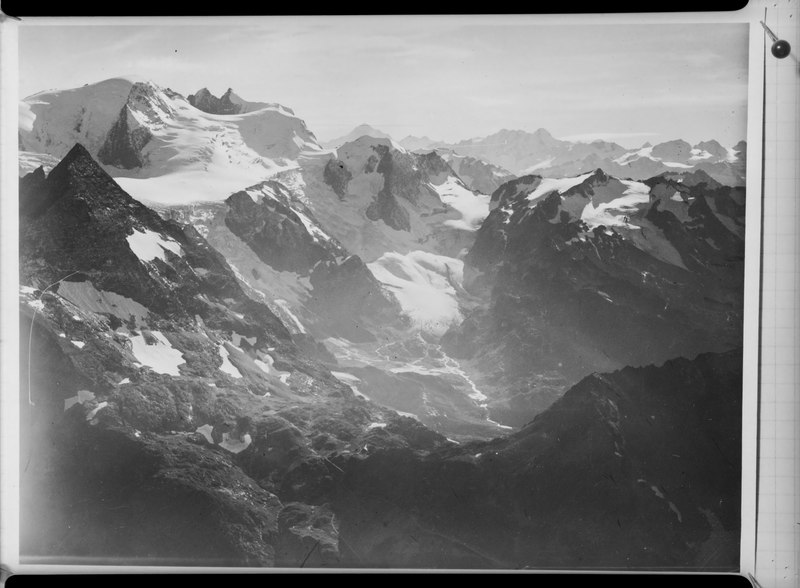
[(539, 152), (249, 349)]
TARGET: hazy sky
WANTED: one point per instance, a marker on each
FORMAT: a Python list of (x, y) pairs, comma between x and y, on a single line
[(446, 77)]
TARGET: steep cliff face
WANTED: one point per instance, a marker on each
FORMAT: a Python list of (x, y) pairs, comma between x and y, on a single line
[(401, 179), (124, 143), (276, 232)]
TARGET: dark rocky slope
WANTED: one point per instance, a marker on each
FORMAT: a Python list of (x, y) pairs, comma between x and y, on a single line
[(167, 414), (633, 469), (565, 299)]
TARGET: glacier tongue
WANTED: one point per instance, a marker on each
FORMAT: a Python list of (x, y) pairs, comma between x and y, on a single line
[(425, 285)]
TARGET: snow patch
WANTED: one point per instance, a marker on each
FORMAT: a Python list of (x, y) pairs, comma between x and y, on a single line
[(345, 377), (160, 355), (205, 431), (227, 366), (95, 410), (78, 344), (235, 445), (148, 245)]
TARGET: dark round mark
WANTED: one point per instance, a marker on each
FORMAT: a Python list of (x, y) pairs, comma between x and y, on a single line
[(781, 49)]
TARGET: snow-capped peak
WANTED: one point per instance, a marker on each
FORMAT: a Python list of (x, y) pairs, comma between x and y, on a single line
[(158, 145)]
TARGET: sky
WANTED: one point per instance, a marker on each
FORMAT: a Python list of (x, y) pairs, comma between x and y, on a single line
[(449, 78)]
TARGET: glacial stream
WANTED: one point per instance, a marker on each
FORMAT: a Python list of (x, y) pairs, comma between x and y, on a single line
[(449, 400)]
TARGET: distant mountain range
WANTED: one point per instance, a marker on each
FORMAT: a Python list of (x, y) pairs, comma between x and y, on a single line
[(521, 152)]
